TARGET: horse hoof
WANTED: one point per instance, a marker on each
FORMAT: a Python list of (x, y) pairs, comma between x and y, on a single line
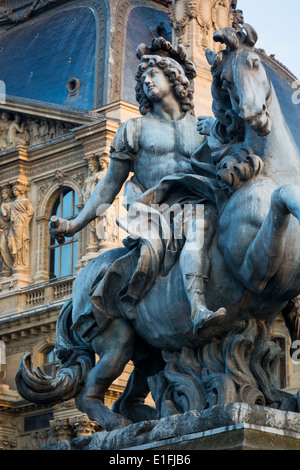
[(208, 318), (121, 424)]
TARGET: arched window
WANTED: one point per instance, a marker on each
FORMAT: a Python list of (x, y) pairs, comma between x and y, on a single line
[(64, 257), (50, 363)]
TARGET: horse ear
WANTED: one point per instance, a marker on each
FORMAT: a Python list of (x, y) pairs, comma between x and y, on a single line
[(252, 36), (210, 56), (227, 36)]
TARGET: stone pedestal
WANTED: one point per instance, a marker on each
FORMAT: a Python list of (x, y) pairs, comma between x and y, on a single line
[(233, 426), (241, 436)]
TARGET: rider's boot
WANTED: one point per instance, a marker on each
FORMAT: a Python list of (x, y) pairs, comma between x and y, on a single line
[(200, 313), (195, 267)]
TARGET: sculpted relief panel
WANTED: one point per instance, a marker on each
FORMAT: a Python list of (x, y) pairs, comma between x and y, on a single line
[(21, 130)]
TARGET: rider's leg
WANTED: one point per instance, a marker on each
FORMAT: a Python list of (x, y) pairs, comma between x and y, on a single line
[(195, 264), (264, 255), (115, 348)]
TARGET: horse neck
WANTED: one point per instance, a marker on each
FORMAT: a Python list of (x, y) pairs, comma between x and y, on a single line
[(278, 147)]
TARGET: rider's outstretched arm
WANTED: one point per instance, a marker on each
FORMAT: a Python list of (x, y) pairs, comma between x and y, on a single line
[(103, 195)]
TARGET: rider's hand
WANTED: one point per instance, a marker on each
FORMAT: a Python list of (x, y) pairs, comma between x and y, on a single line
[(205, 124), (59, 228)]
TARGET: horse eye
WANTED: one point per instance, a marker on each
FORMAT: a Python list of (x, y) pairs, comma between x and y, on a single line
[(253, 61), (256, 63), (225, 84)]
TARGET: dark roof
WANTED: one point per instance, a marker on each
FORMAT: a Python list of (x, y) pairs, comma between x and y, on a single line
[(144, 24), (38, 58), (282, 81)]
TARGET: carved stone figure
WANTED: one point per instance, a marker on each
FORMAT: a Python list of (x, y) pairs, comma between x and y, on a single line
[(91, 180), (43, 130), (59, 176), (18, 239), (17, 132), (34, 132), (102, 228), (4, 127), (194, 324), (5, 210), (106, 229), (88, 188)]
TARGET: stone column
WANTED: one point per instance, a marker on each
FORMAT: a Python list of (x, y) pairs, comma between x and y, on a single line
[(42, 247), (193, 23)]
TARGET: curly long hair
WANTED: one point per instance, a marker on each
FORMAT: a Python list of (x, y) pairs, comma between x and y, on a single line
[(173, 62)]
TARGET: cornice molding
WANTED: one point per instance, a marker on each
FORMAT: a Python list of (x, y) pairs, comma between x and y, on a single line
[(277, 66), (40, 109)]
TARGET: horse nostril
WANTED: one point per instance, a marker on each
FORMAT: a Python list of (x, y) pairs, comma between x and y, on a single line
[(244, 113)]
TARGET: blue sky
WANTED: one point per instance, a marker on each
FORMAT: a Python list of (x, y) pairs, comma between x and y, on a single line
[(277, 23)]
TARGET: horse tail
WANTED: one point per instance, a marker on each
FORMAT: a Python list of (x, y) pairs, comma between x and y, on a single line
[(76, 358)]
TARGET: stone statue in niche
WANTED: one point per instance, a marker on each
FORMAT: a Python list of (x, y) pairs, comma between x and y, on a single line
[(194, 324), (21, 212), (5, 210)]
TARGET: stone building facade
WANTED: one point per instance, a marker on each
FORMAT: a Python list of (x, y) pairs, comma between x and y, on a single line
[(68, 71)]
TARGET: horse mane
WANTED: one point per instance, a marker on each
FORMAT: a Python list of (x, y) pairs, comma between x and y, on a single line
[(235, 163)]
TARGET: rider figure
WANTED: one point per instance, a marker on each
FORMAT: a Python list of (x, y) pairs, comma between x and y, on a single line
[(157, 148)]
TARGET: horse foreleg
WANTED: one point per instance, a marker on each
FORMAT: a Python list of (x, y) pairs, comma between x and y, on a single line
[(264, 255), (115, 348)]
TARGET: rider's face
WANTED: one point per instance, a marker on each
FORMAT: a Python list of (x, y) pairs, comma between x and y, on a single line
[(156, 84)]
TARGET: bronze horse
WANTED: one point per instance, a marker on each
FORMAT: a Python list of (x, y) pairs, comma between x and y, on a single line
[(255, 271)]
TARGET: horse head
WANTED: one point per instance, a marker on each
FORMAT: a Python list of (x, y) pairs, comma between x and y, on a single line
[(240, 81)]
